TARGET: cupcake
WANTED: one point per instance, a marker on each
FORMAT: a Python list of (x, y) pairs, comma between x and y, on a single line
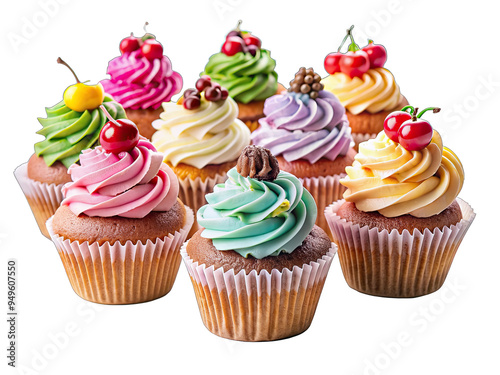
[(141, 79), (401, 223), (71, 126), (120, 226), (201, 139), (247, 71), (307, 129), (259, 265), (365, 88)]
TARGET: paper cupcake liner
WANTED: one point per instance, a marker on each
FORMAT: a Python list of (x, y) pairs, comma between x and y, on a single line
[(44, 199), (393, 264), (258, 307), (324, 190), (192, 193), (362, 137), (122, 274)]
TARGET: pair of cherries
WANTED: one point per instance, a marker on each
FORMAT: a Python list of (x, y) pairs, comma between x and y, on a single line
[(408, 129), (238, 41), (356, 61), (150, 48)]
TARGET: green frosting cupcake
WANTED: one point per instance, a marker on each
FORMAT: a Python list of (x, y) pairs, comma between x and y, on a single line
[(258, 218), (247, 78), (68, 132)]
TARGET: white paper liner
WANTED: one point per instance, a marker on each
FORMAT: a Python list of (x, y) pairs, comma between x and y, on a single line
[(324, 190), (44, 199), (122, 274), (393, 264), (192, 193), (362, 137), (258, 307)]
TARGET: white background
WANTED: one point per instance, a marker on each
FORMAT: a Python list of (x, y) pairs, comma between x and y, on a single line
[(442, 53)]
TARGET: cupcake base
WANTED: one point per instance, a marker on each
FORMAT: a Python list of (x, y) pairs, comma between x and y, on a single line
[(43, 198), (261, 306), (393, 264), (122, 274)]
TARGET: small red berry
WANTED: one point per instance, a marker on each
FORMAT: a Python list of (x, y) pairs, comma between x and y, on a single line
[(119, 135), (393, 122)]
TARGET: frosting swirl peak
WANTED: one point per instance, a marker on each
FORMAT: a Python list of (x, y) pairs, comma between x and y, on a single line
[(393, 181), (139, 83), (258, 218), (304, 130), (209, 134), (129, 184)]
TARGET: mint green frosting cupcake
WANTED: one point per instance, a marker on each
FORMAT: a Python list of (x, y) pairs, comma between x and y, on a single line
[(68, 132), (247, 78), (258, 218)]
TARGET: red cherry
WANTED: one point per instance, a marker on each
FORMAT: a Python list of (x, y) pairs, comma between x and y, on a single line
[(191, 92), (191, 102), (224, 93), (213, 94), (202, 83), (251, 40), (232, 46), (233, 33), (119, 135), (377, 54), (393, 122), (415, 135), (355, 64), (252, 50), (130, 44), (332, 62), (152, 49)]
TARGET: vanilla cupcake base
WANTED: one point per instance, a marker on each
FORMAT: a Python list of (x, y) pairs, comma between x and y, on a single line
[(362, 137), (44, 199), (396, 264), (258, 307), (122, 274)]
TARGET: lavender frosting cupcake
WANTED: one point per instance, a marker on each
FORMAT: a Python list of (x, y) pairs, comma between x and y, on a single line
[(308, 131)]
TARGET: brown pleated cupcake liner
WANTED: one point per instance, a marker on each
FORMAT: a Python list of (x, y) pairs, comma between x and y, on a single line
[(362, 137), (44, 199), (258, 307), (192, 193), (324, 190), (122, 274), (396, 264)]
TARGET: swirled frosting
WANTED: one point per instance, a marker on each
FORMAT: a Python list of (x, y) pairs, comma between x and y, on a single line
[(299, 130), (375, 91), (247, 78), (139, 83), (68, 132), (393, 181), (258, 218), (210, 134), (129, 184)]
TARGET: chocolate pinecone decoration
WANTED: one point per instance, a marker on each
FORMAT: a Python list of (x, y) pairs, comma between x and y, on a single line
[(306, 82), (258, 162)]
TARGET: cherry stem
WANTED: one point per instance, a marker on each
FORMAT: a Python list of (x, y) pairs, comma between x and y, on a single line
[(434, 110), (144, 27), (408, 107), (61, 61), (348, 33), (108, 115), (238, 25), (414, 114)]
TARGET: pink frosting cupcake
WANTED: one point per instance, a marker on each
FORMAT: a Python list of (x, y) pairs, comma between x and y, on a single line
[(120, 226), (141, 79)]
